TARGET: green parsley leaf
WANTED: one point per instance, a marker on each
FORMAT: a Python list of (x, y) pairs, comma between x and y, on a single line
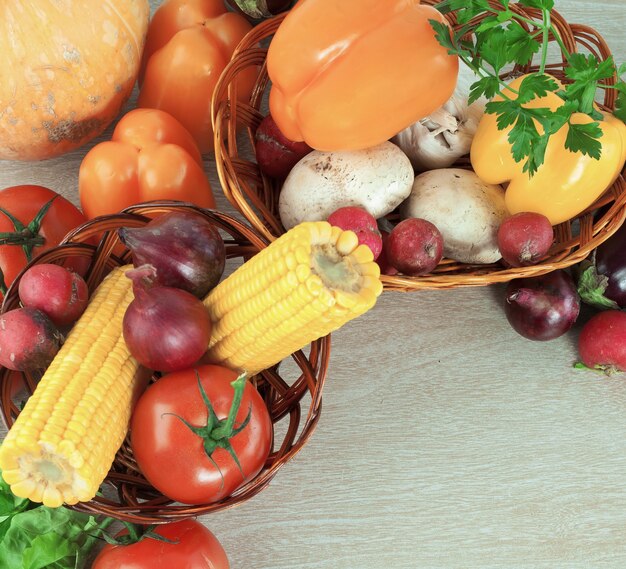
[(466, 9), (541, 4), (469, 9), (521, 46), (620, 103), (584, 138), (488, 23), (493, 49), (500, 37), (485, 86), (586, 68), (442, 34), (559, 118), (537, 154), (522, 136), (506, 112), (535, 86), (585, 71)]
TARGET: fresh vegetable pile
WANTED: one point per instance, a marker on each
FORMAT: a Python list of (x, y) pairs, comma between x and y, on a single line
[(303, 286), (401, 138), (537, 143), (200, 430), (564, 172)]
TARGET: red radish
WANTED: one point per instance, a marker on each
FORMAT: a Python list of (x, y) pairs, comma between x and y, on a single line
[(602, 341), (414, 246), (276, 155), (544, 307), (524, 238), (28, 340), (362, 223), (58, 292), (383, 261)]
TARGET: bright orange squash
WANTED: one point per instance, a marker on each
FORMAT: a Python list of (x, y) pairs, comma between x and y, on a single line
[(68, 66)]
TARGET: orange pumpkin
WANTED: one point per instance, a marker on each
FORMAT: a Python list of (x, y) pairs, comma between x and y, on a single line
[(68, 67)]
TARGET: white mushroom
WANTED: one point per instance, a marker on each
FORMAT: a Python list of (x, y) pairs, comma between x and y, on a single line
[(466, 210), (377, 179)]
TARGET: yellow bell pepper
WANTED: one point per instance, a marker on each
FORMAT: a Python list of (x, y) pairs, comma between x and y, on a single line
[(567, 182)]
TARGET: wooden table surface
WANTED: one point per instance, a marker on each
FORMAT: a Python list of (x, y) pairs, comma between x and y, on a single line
[(446, 440)]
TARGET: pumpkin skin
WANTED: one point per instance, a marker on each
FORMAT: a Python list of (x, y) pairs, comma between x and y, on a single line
[(69, 67)]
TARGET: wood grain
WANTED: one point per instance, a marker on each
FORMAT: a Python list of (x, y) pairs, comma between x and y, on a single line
[(446, 440)]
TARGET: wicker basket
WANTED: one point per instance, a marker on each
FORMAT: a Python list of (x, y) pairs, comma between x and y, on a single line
[(256, 196), (294, 402)]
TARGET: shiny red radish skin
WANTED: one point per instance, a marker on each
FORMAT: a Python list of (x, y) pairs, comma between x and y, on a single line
[(276, 155), (58, 292), (602, 342), (542, 308), (414, 247), (383, 261), (360, 221), (28, 340), (524, 238)]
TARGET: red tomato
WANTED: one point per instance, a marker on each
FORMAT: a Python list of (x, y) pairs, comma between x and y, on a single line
[(24, 203), (172, 456), (195, 547)]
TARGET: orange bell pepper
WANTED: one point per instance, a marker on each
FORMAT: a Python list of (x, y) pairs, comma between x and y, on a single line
[(350, 74), (189, 43), (567, 182), (150, 156)]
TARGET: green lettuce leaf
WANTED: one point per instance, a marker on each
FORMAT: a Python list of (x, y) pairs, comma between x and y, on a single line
[(33, 536)]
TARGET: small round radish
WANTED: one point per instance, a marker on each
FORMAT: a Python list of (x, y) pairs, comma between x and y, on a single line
[(602, 341), (524, 238), (544, 307), (58, 292), (414, 247), (382, 260), (362, 223), (28, 339), (276, 155)]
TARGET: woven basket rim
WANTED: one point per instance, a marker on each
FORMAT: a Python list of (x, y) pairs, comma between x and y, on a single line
[(130, 497)]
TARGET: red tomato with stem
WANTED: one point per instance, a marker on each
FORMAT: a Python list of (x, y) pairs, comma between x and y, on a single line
[(201, 433), (33, 219), (190, 545)]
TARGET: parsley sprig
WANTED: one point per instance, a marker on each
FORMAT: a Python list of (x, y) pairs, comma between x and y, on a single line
[(492, 36)]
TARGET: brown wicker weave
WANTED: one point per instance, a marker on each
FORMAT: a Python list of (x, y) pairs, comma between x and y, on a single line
[(256, 196), (294, 402)]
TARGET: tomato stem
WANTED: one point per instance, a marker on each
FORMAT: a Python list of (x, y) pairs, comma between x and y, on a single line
[(136, 533), (26, 236), (225, 429), (218, 432)]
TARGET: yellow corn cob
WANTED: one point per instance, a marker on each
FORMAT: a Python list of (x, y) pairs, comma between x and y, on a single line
[(63, 443), (306, 284)]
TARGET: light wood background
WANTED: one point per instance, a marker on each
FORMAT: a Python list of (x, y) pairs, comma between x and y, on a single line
[(446, 440)]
